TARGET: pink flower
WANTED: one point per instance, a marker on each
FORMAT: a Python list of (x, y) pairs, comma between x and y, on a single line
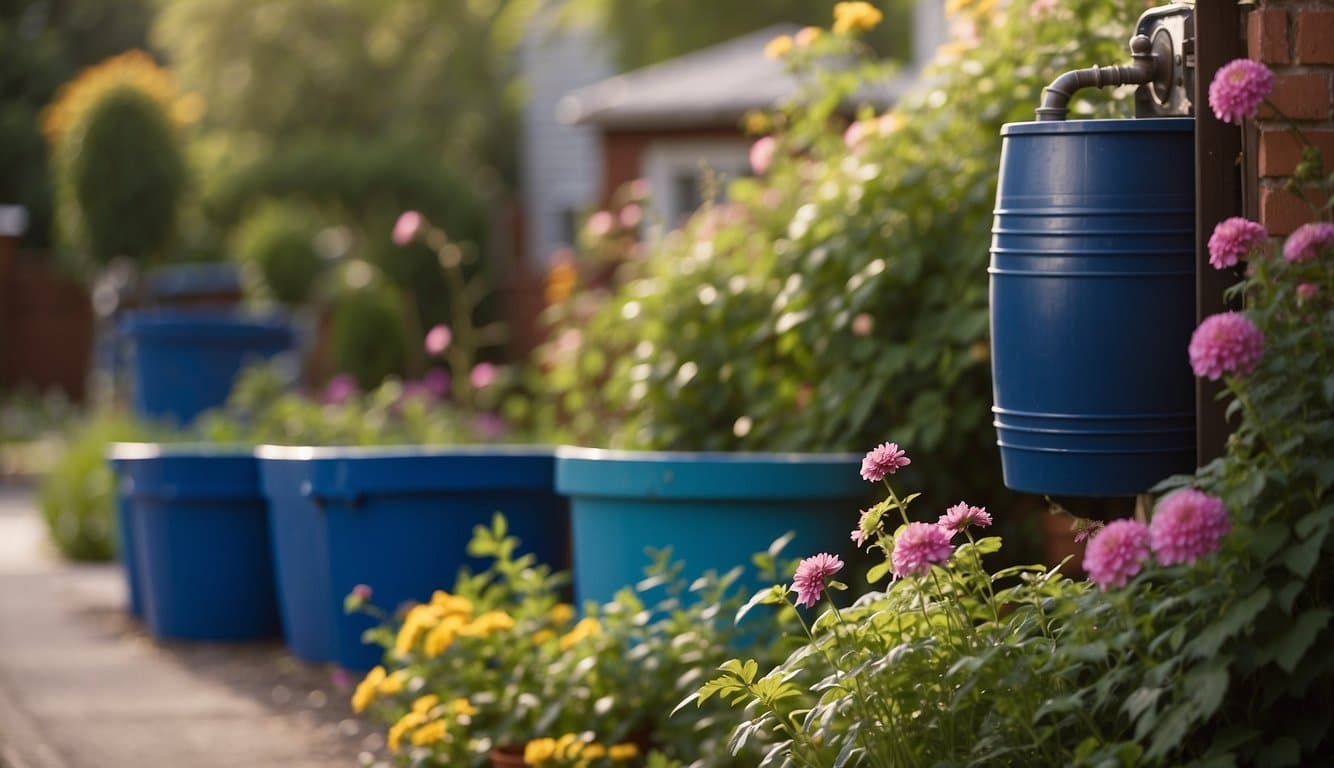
[(858, 537), (362, 592), (436, 381), (882, 461), (482, 376), (339, 389), (438, 339), (631, 216), (809, 580), (1232, 240), (1225, 343), (407, 227), (1238, 88), (1187, 525), (1087, 528), (762, 154), (1040, 8), (854, 134), (1116, 553), (1307, 242), (600, 224), (489, 426), (916, 547), (863, 324), (961, 516), (1307, 292)]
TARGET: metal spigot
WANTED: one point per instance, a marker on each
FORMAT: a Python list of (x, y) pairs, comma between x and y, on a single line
[(1147, 66)]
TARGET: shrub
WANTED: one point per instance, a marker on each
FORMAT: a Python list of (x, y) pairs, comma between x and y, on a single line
[(842, 293), (78, 496), (275, 245), (120, 173), (370, 325)]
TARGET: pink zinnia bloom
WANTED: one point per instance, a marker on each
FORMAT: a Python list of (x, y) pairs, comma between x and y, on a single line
[(1187, 525), (1306, 292), (883, 460), (483, 375), (1307, 242), (916, 547), (858, 537), (762, 154), (809, 580), (406, 228), (600, 224), (1116, 553), (438, 339), (1232, 240), (961, 516), (1238, 88), (1225, 343), (339, 389), (631, 216)]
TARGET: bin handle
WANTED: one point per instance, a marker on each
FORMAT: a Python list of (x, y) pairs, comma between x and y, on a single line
[(1145, 67)]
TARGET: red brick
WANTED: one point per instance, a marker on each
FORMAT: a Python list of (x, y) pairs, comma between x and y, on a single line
[(1281, 212), (1267, 36), (1301, 96), (1315, 36), (1280, 151)]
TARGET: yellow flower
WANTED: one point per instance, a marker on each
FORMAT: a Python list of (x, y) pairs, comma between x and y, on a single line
[(539, 751), (756, 123), (393, 684), (442, 636), (594, 751), (561, 280), (587, 627), (856, 17), (542, 635), (365, 693), (429, 734), (561, 613), (463, 707), (778, 47), (621, 752), (808, 35), (424, 704), (491, 621), (954, 7), (451, 604), (397, 730), (568, 746)]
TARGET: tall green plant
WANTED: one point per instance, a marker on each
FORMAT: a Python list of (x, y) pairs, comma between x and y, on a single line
[(121, 177)]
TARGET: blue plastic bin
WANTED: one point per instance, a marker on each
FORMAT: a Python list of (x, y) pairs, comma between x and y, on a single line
[(125, 526), (397, 520), (714, 510), (1093, 304), (183, 362), (200, 541)]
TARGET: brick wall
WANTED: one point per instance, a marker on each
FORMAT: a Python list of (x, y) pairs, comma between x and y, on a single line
[(1295, 38)]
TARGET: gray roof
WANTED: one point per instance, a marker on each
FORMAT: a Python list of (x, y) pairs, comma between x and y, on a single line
[(711, 87)]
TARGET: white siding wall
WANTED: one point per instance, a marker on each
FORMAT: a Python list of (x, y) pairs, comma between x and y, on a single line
[(560, 165)]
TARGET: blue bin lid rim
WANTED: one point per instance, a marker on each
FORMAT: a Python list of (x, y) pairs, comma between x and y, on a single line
[(1109, 125), (270, 452), (168, 320), (577, 453), (141, 451)]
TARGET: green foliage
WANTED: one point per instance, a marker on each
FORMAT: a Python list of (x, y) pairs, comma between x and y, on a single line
[(647, 33), (275, 245), (121, 175), (530, 674), (78, 496), (370, 326), (842, 296)]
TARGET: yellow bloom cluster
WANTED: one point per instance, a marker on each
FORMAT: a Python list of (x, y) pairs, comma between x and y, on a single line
[(807, 36), (366, 689), (588, 627), (778, 47), (135, 69), (424, 725), (571, 750), (444, 619), (856, 17), (972, 7)]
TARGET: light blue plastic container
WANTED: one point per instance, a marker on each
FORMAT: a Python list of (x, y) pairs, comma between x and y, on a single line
[(714, 510)]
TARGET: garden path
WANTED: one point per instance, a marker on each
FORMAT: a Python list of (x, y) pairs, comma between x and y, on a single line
[(83, 686)]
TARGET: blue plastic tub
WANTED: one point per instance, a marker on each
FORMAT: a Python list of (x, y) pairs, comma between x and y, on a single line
[(714, 510), (1093, 304), (200, 541), (183, 362), (125, 526), (397, 520)]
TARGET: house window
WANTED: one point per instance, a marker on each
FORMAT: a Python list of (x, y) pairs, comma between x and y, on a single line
[(677, 171)]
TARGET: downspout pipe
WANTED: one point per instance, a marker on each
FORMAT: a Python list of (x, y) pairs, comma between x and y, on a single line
[(1145, 67)]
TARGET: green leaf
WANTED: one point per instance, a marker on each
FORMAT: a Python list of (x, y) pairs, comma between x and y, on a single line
[(1301, 557), (878, 572), (775, 595), (1207, 642), (1207, 687), (1292, 645), (1139, 701)]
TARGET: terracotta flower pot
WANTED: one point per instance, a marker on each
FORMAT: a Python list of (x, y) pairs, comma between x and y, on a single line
[(506, 756)]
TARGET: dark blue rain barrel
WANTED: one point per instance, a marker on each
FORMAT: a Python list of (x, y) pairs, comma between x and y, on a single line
[(183, 362), (1093, 304)]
